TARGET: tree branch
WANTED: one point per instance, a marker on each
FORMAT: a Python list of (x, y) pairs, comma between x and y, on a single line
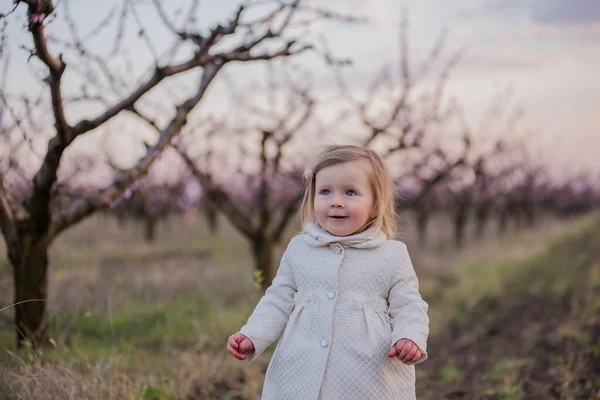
[(264, 214), (10, 211), (286, 216), (241, 53), (84, 207), (144, 118), (56, 67), (284, 52), (46, 176), (127, 103), (309, 104), (219, 197)]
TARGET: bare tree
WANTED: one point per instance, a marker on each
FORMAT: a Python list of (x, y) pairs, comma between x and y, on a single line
[(153, 197), (260, 204), (210, 211), (472, 179), (574, 195), (30, 219), (150, 203), (423, 186), (404, 115)]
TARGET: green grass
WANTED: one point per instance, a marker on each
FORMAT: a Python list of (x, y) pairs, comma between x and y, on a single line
[(483, 284), (450, 372)]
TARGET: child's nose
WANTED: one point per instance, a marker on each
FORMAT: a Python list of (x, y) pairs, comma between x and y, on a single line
[(336, 201)]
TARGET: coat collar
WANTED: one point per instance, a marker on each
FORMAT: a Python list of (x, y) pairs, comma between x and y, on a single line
[(317, 236)]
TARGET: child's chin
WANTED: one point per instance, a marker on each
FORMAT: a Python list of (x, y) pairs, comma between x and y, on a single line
[(340, 232)]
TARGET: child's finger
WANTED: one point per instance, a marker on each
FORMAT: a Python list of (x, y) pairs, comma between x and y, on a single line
[(417, 356), (232, 341), (238, 338), (395, 351), (230, 348), (404, 351), (411, 353), (235, 353), (392, 353), (245, 345)]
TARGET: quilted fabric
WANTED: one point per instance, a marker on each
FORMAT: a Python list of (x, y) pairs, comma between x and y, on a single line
[(338, 304)]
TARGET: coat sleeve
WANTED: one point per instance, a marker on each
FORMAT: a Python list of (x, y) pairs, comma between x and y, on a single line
[(272, 312), (407, 309)]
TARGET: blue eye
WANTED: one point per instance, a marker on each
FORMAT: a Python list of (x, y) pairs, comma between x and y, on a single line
[(325, 192), (350, 192)]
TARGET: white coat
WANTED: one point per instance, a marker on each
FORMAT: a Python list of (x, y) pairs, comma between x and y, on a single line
[(340, 303)]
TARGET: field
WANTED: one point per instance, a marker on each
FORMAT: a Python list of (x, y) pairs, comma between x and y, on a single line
[(511, 317)]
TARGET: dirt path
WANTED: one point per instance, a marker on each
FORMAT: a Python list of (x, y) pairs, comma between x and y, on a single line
[(539, 340)]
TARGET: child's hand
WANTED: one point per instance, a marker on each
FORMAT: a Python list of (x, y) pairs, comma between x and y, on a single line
[(406, 350), (238, 344)]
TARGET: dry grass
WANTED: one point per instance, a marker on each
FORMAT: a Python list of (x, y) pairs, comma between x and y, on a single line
[(135, 320), (149, 321)]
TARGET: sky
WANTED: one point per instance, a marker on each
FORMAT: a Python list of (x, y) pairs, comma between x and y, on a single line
[(545, 52)]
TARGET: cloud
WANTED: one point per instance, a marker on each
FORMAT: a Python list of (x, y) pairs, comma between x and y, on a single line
[(504, 6), (565, 12), (542, 12), (497, 60), (493, 8)]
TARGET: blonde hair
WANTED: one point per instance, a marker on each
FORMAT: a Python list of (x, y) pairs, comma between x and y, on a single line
[(379, 177)]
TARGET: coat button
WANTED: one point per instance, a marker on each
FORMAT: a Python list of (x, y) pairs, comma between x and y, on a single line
[(338, 250), (330, 295), (325, 343)]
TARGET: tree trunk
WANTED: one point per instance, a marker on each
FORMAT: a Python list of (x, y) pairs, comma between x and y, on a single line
[(460, 220), (530, 214), (481, 215), (517, 214), (30, 271), (262, 250), (422, 220), (150, 223), (121, 219), (503, 220), (211, 213)]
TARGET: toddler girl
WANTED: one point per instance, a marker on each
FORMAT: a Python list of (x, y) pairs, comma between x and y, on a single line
[(345, 300)]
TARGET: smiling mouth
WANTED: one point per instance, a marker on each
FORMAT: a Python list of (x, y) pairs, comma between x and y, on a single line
[(337, 217)]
